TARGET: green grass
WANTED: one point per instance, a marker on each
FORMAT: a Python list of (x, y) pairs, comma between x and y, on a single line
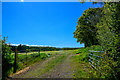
[(48, 66), (83, 69), (26, 60), (53, 63), (31, 59), (81, 64)]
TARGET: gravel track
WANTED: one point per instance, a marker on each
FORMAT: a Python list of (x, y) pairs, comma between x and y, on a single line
[(64, 69), (33, 68)]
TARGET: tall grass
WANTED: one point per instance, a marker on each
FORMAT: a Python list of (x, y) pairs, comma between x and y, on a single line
[(82, 58)]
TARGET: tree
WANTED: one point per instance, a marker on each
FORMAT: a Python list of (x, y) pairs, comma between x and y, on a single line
[(22, 48), (86, 29), (109, 34)]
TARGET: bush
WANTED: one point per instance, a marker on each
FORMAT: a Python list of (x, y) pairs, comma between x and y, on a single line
[(84, 53), (107, 66), (7, 59), (96, 48), (43, 55)]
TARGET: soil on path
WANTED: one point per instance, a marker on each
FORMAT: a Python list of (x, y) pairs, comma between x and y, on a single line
[(32, 69), (64, 69)]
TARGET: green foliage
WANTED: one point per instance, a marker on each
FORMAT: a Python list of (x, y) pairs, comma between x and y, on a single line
[(43, 56), (105, 29), (106, 66), (108, 35), (84, 52), (7, 59), (105, 33), (96, 48), (31, 58), (86, 29), (22, 48)]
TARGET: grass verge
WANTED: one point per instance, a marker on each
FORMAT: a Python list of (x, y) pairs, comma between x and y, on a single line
[(84, 70), (81, 67)]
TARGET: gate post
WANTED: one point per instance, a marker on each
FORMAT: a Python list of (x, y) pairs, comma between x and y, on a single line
[(39, 51), (15, 61), (26, 58)]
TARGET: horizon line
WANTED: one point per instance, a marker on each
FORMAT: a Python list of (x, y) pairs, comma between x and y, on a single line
[(41, 45)]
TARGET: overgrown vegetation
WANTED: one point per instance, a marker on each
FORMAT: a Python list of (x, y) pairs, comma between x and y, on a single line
[(83, 69), (7, 59), (106, 32), (84, 52)]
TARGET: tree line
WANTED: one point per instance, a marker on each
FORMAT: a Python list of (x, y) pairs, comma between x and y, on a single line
[(23, 48)]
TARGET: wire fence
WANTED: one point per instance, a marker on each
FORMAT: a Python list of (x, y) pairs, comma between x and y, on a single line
[(24, 58), (27, 57)]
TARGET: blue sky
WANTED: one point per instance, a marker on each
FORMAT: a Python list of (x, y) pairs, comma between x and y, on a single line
[(42, 23)]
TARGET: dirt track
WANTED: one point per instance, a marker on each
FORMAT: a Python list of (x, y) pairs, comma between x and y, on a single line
[(62, 68)]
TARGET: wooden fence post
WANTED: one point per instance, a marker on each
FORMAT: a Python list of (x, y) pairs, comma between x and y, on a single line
[(26, 58), (15, 61), (39, 52)]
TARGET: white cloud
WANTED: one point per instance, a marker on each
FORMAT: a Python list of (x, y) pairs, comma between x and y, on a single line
[(40, 45), (22, 0), (31, 45), (14, 44)]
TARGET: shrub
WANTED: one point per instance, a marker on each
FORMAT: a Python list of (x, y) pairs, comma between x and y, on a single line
[(7, 59), (43, 56)]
